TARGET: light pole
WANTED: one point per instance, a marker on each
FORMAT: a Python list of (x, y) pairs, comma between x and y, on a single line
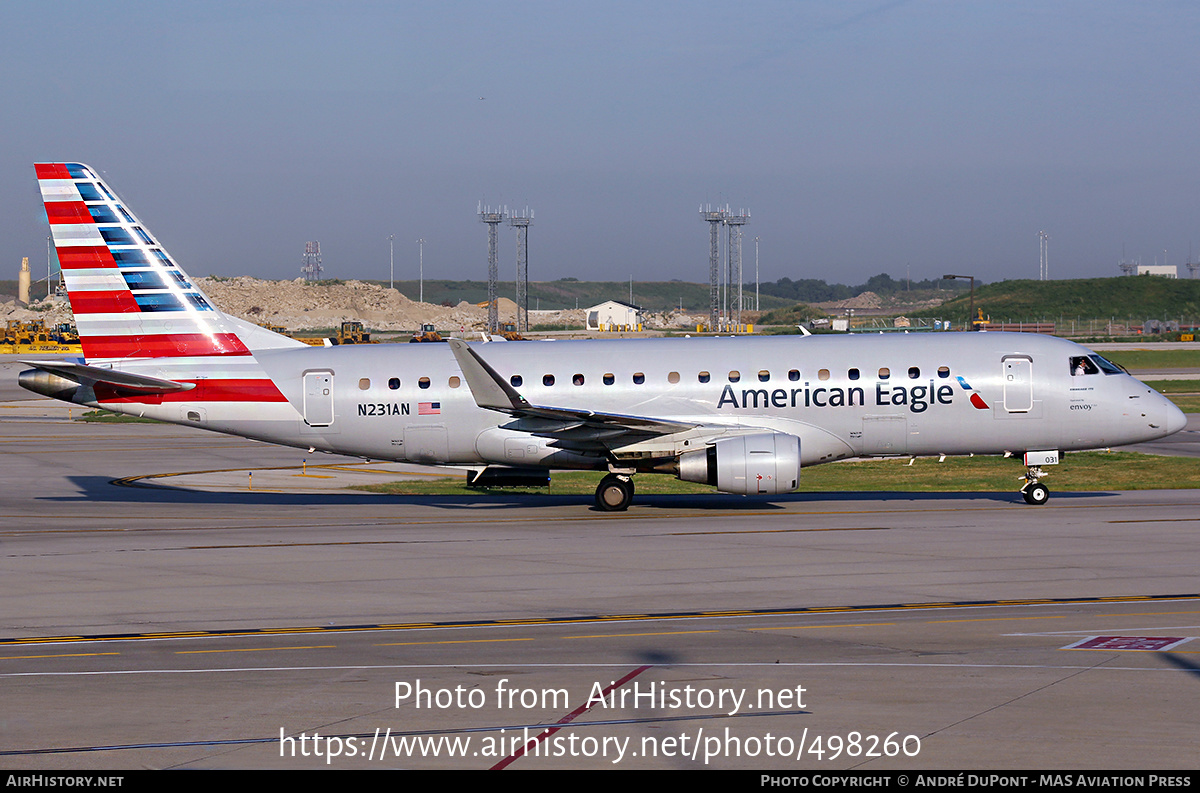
[(421, 270), (392, 260), (971, 314), (756, 273)]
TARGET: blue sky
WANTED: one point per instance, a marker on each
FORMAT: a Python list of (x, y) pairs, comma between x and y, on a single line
[(863, 137)]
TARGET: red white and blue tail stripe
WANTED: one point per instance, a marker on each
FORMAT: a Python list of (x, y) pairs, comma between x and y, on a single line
[(133, 303)]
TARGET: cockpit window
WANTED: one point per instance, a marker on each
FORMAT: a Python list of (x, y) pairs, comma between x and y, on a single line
[(1106, 366), (1081, 365)]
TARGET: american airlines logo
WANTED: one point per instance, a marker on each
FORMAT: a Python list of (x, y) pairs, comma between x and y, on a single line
[(976, 399)]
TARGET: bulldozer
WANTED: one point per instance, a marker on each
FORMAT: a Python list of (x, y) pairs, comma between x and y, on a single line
[(426, 333), (352, 332)]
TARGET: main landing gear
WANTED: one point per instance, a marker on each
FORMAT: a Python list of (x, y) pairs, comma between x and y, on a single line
[(1034, 492), (614, 493)]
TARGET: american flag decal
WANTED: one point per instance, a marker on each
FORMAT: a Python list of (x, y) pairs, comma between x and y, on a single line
[(429, 408)]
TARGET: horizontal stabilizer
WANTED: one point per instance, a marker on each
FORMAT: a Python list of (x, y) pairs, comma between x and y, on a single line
[(119, 381)]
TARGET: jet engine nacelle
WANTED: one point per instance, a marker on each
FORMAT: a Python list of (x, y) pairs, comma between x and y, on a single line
[(48, 384), (767, 463)]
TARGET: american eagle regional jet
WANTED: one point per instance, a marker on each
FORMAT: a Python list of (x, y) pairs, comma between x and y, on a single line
[(742, 414)]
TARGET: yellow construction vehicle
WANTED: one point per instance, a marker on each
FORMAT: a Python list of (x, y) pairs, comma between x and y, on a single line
[(980, 323), (508, 331), (427, 333), (352, 332), (26, 337)]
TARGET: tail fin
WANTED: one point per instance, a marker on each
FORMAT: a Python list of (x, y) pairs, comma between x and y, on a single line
[(130, 298)]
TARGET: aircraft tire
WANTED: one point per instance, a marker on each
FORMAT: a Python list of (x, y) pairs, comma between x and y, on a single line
[(1036, 494), (614, 493)]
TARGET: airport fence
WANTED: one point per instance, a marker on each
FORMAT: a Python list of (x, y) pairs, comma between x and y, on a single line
[(1067, 327), (1086, 327)]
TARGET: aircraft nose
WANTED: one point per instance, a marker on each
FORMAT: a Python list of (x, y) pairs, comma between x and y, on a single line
[(1176, 418)]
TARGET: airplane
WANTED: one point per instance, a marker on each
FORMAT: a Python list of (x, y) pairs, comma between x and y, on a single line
[(744, 415)]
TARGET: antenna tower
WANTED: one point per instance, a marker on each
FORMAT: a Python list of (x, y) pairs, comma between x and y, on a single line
[(1044, 265), (735, 223), (311, 269), (714, 219), (521, 223), (492, 219)]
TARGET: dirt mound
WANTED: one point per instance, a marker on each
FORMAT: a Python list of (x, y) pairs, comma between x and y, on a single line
[(299, 305)]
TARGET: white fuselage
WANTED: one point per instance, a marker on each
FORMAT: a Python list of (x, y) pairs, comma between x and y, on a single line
[(843, 396)]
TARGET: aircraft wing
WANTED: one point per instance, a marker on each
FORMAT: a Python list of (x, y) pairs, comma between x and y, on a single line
[(115, 379), (492, 392)]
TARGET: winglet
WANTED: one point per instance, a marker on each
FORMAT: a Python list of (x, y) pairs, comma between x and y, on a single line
[(489, 388)]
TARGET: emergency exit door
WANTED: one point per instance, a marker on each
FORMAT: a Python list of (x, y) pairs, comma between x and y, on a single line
[(318, 399), (1018, 383)]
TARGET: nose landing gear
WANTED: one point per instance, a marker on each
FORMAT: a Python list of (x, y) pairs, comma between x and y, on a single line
[(1034, 492)]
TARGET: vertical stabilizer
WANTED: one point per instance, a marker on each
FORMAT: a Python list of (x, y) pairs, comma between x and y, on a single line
[(130, 299)]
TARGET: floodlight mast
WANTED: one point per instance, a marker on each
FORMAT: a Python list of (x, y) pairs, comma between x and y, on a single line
[(421, 270), (492, 219), (714, 219), (521, 222), (734, 248), (971, 314)]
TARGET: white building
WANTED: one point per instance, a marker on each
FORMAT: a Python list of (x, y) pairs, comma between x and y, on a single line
[(1164, 270), (612, 313)]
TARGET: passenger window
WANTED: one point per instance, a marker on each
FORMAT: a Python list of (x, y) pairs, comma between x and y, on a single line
[(764, 376), (609, 378), (673, 377), (884, 373), (577, 379), (852, 374), (914, 372), (423, 382), (364, 384), (734, 376), (455, 382), (394, 383), (943, 371), (794, 375), (703, 377), (516, 380), (638, 378), (823, 374), (547, 380)]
